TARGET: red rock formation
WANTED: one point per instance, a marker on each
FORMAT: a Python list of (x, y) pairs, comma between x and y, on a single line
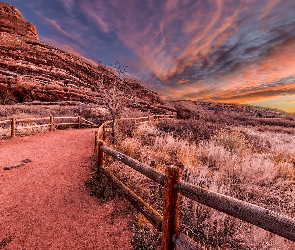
[(31, 70), (12, 22)]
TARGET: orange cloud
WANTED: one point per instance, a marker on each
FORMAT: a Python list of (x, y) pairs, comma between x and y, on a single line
[(272, 77), (181, 81)]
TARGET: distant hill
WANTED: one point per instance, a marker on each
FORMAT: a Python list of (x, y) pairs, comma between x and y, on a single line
[(31, 70)]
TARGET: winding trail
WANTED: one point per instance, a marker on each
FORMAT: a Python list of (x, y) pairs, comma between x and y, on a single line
[(45, 205)]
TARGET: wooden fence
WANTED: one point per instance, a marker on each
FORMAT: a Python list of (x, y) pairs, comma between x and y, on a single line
[(168, 223), (50, 122), (173, 188)]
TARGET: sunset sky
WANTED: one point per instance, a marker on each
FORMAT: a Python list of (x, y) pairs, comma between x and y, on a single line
[(234, 51)]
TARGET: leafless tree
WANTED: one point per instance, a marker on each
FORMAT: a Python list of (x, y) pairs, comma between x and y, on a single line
[(114, 98), (114, 104)]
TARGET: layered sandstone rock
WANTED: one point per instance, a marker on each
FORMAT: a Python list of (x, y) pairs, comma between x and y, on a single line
[(13, 22), (31, 70)]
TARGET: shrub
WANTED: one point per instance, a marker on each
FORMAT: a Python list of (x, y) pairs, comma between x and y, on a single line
[(241, 162)]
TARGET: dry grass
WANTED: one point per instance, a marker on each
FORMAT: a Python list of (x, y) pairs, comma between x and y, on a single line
[(239, 161), (250, 159), (92, 112), (88, 111)]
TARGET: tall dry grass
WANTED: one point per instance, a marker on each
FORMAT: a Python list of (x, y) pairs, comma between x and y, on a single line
[(241, 161)]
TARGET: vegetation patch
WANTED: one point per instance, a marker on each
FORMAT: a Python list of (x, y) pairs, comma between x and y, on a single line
[(238, 161)]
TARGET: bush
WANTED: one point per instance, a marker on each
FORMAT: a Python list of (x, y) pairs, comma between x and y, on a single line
[(240, 162)]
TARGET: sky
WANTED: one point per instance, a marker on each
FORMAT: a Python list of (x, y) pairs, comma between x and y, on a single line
[(230, 51)]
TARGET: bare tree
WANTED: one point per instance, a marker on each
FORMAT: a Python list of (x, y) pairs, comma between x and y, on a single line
[(114, 104), (114, 100)]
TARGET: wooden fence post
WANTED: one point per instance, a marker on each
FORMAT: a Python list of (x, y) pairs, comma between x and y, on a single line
[(96, 145), (13, 127), (79, 122), (51, 123), (170, 224), (103, 132), (100, 156)]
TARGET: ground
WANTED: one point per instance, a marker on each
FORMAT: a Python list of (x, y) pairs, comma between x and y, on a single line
[(45, 204)]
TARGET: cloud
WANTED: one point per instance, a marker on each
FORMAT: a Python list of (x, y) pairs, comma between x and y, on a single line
[(58, 28), (91, 11), (68, 4), (181, 81), (222, 50)]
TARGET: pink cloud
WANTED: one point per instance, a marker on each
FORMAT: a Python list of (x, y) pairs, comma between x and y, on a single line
[(68, 4), (92, 11)]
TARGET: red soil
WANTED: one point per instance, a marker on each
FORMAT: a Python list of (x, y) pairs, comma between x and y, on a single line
[(45, 205)]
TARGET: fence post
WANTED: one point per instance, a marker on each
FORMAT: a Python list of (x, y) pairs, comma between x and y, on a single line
[(79, 122), (103, 132), (100, 156), (13, 127), (96, 145), (51, 123), (170, 224)]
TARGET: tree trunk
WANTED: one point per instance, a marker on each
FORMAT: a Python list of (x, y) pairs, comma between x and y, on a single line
[(113, 129)]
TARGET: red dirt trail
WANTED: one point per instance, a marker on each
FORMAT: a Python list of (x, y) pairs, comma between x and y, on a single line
[(45, 205)]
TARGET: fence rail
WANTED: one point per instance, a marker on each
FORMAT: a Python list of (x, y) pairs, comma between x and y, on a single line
[(136, 165), (52, 123), (173, 188), (32, 119), (5, 121), (256, 215)]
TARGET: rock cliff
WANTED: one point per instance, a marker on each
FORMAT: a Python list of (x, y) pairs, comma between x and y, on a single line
[(31, 70), (12, 22)]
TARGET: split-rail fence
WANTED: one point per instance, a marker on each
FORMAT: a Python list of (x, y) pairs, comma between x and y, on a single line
[(168, 223), (49, 122)]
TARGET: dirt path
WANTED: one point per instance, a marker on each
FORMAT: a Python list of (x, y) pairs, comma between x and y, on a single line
[(45, 205)]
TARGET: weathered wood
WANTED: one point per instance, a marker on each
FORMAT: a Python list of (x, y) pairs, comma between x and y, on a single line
[(103, 132), (34, 126), (147, 118), (13, 127), (90, 122), (5, 121), (66, 117), (258, 216), (152, 215), (171, 208), (131, 118), (183, 242), (65, 123), (96, 138), (51, 123), (16, 165), (79, 122), (100, 155), (32, 119), (141, 168), (99, 133)]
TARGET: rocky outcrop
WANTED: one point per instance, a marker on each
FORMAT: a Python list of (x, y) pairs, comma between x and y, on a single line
[(13, 22), (31, 70)]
